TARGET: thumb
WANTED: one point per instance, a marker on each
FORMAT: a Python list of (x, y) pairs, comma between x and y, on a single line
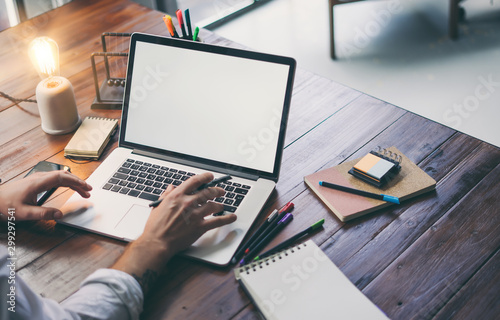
[(41, 213)]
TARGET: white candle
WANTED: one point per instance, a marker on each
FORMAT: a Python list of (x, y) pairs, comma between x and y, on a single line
[(57, 105)]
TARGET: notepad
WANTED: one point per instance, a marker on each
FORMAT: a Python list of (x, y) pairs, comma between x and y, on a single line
[(91, 138), (303, 283)]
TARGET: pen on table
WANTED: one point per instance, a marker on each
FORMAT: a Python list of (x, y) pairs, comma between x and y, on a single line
[(170, 26), (212, 183), (181, 22), (383, 197), (281, 224), (286, 209), (188, 23), (270, 219), (195, 35), (291, 240)]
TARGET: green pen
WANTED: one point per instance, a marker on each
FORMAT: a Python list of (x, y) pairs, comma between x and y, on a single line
[(195, 35), (288, 242)]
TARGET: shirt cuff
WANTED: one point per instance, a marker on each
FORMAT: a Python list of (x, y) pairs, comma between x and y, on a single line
[(112, 291)]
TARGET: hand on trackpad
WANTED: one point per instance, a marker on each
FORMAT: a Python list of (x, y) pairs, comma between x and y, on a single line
[(132, 224)]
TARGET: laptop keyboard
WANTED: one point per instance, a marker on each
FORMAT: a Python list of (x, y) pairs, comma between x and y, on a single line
[(148, 181)]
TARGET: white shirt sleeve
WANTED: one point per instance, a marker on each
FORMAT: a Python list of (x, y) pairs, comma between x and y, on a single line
[(105, 294)]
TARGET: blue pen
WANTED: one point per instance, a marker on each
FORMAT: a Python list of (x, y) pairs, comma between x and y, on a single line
[(383, 197)]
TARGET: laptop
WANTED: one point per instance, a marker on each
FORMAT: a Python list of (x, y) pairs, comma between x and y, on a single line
[(190, 108)]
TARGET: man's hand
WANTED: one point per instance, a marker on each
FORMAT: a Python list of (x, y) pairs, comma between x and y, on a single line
[(21, 194), (173, 226)]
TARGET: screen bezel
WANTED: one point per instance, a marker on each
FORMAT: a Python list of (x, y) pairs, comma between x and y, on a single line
[(245, 54)]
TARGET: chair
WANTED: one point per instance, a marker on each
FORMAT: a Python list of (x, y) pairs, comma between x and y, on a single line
[(455, 13)]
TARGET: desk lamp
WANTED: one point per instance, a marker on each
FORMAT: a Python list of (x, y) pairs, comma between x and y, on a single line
[(54, 94)]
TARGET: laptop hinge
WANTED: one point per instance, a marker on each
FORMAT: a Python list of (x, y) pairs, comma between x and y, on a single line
[(234, 172)]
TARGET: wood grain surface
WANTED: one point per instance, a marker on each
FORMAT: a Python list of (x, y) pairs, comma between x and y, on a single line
[(433, 257)]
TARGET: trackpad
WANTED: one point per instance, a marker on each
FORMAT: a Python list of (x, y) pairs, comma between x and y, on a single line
[(132, 224)]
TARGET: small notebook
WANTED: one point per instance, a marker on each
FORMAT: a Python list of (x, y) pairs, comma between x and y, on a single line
[(303, 283), (409, 182), (91, 138)]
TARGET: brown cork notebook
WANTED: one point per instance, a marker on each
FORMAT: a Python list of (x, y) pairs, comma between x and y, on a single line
[(411, 181)]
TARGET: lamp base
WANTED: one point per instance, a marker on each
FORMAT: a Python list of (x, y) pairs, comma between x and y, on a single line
[(57, 105), (63, 131)]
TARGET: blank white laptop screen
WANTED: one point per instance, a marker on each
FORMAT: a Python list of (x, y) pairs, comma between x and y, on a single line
[(228, 101)]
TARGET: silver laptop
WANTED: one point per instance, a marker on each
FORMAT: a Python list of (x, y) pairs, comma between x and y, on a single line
[(190, 108)]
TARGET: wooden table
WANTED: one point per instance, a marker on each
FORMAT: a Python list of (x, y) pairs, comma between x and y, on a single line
[(436, 256)]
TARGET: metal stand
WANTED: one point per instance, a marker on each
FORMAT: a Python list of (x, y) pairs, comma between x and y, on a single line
[(109, 95)]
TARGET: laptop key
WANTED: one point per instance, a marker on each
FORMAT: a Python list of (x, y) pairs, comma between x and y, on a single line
[(124, 190), (237, 203), (156, 166), (157, 184), (245, 186), (151, 170), (131, 185), (124, 170), (177, 183), (157, 191), (135, 166), (134, 173), (123, 183), (132, 178), (241, 191), (140, 187), (126, 165), (140, 180), (116, 188), (148, 196), (113, 181), (143, 175), (134, 193), (107, 186), (129, 160), (239, 197), (120, 176), (229, 208), (148, 182)]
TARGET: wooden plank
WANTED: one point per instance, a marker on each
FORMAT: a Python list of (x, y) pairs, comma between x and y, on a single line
[(420, 281), (478, 298)]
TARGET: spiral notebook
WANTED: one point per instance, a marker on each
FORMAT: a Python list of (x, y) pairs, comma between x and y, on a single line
[(303, 283), (91, 138)]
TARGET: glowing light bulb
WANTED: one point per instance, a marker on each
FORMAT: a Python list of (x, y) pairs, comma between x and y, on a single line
[(44, 54), (54, 94)]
